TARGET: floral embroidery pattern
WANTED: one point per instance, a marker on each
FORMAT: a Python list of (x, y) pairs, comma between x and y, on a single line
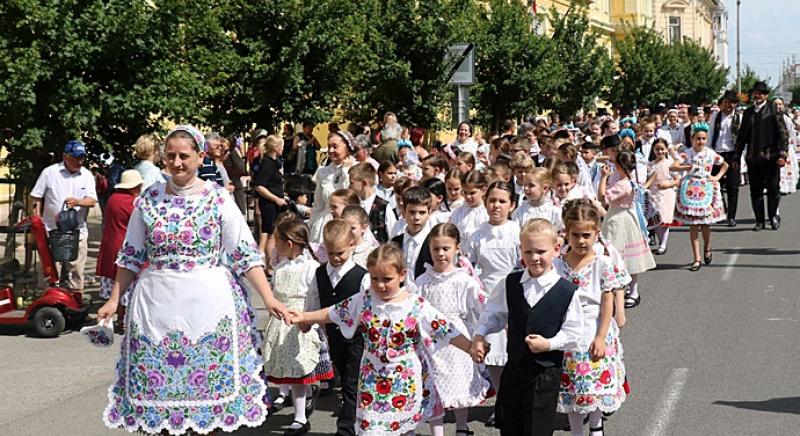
[(587, 385), (700, 199)]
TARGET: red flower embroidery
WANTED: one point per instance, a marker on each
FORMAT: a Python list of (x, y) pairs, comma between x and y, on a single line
[(565, 380), (364, 424), (426, 393), (605, 377), (576, 280), (374, 335), (366, 399), (386, 323), (399, 401), (398, 338), (434, 324), (394, 426), (345, 303), (399, 368), (383, 386)]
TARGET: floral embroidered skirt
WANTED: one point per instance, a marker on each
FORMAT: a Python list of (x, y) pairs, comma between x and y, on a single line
[(587, 386), (699, 202), (189, 359)]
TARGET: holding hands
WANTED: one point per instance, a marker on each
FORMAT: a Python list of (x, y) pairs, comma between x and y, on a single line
[(597, 350), (480, 348)]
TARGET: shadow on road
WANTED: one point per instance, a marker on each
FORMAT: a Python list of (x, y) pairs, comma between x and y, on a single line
[(777, 405)]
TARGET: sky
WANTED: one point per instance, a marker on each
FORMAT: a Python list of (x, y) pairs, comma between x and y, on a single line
[(770, 35)]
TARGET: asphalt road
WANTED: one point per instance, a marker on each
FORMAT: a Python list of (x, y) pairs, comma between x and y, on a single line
[(715, 352)]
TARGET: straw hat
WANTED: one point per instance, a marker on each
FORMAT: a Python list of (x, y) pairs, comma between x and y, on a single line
[(129, 180)]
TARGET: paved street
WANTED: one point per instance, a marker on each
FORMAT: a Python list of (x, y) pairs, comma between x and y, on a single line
[(714, 352)]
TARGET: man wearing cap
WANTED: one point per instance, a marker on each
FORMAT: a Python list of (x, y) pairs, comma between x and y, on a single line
[(722, 139), (69, 184), (763, 133)]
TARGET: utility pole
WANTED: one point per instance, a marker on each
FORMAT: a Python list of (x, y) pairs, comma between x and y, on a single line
[(738, 49)]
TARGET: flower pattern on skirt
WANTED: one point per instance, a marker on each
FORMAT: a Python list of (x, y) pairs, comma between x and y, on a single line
[(587, 386)]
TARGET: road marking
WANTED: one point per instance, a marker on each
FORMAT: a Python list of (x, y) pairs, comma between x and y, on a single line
[(676, 383), (726, 275), (56, 368)]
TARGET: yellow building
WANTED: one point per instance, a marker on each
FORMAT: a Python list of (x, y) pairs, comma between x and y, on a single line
[(599, 12)]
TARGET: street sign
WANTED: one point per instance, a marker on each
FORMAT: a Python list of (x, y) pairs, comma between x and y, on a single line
[(463, 73)]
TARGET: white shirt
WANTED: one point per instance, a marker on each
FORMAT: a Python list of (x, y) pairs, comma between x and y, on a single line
[(398, 228), (495, 316), (665, 135), (386, 194), (675, 133), (540, 209), (55, 185), (468, 219), (725, 143), (647, 146), (412, 245), (335, 274), (391, 219)]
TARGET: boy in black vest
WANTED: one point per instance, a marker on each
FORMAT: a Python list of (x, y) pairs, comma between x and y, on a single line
[(544, 318), (333, 282), (414, 242), (381, 216)]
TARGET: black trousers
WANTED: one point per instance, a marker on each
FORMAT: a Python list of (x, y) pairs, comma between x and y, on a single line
[(731, 181), (764, 173), (346, 356), (526, 402)]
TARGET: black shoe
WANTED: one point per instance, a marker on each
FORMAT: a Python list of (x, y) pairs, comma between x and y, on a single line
[(595, 431), (695, 266), (731, 222), (758, 227), (490, 421), (280, 402), (631, 302), (708, 256), (467, 432), (305, 428), (775, 222), (311, 401)]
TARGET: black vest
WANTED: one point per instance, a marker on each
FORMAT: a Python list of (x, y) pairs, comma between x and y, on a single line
[(544, 319), (377, 220), (424, 254), (348, 285)]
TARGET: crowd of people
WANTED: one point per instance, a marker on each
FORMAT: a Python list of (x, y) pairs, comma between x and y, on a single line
[(423, 277)]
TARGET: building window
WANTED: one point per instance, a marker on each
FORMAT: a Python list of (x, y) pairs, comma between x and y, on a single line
[(674, 30)]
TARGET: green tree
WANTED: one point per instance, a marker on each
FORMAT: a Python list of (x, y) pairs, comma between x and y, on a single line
[(507, 64), (103, 71), (406, 42), (643, 69), (749, 78), (696, 76)]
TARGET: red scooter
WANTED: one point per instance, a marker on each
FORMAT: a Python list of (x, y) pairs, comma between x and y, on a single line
[(50, 313)]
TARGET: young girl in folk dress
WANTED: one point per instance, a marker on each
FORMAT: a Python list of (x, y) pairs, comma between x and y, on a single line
[(472, 213), (396, 327), (453, 183), (291, 356), (621, 225), (662, 187), (593, 374), (494, 249), (700, 201), (459, 296), (358, 220)]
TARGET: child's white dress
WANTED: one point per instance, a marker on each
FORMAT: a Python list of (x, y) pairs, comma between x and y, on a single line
[(468, 219), (460, 298), (541, 209)]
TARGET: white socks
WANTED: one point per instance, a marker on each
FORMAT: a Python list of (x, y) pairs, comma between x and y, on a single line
[(595, 421), (663, 237), (299, 402), (576, 423), (437, 427), (634, 286)]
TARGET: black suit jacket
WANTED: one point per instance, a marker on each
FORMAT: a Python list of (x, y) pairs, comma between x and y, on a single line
[(424, 254), (763, 133), (234, 165)]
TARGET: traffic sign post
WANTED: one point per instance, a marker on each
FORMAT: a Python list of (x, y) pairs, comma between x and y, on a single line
[(462, 76)]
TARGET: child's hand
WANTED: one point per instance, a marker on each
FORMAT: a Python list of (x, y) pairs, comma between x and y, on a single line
[(479, 350), (537, 344), (605, 170), (597, 350), (621, 319), (294, 317)]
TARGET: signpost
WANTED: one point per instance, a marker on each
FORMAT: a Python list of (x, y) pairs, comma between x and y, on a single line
[(462, 77)]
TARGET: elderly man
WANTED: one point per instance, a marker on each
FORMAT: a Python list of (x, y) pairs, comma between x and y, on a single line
[(763, 133), (67, 183)]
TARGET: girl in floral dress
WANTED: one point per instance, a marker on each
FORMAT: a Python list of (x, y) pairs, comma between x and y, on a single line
[(662, 185), (594, 373), (396, 326), (292, 356), (458, 295), (188, 358), (700, 200)]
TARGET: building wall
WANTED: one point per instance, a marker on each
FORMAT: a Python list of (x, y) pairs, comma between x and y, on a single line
[(599, 16)]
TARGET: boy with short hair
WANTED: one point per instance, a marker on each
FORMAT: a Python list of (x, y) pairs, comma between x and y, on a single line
[(333, 282), (521, 164), (414, 241), (381, 215), (589, 151), (544, 318)]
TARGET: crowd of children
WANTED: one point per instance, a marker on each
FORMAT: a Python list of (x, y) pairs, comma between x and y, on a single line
[(437, 292)]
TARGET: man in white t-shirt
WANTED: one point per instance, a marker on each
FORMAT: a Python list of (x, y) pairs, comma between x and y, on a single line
[(67, 183)]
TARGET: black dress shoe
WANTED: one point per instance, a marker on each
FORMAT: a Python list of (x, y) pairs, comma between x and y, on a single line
[(303, 429), (731, 222), (311, 401), (775, 222), (758, 227), (708, 256)]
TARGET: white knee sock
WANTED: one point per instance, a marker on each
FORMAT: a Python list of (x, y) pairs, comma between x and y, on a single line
[(437, 427), (634, 286), (576, 423), (596, 421), (663, 236), (461, 418), (299, 402), (283, 390)]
